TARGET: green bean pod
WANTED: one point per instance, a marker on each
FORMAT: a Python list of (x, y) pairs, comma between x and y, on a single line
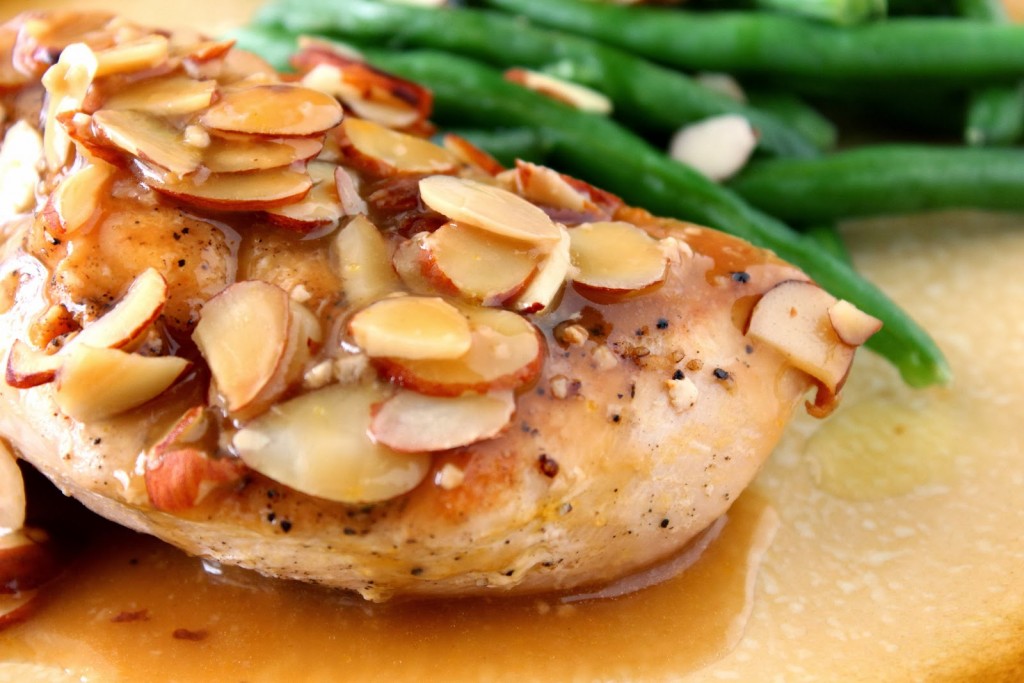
[(935, 49), (885, 179), (645, 95)]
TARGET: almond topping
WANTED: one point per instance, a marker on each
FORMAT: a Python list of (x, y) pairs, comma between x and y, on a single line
[(387, 151), (489, 208), (74, 201), (130, 318), (545, 287), (243, 334), (319, 444), (506, 352), (251, 191), (412, 422), (178, 480), (66, 83), (168, 96), (20, 153), (134, 55), (411, 327), (567, 92), (361, 258), (851, 324), (477, 265), (615, 257), (238, 154), (793, 318), (717, 147), (95, 384), (274, 110), (149, 138), (12, 492)]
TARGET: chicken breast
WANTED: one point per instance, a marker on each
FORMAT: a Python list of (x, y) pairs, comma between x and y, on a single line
[(324, 348)]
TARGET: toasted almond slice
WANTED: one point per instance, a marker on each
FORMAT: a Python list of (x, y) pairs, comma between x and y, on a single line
[(172, 95), (388, 151), (361, 258), (16, 607), (615, 257), (188, 430), (243, 334), (179, 479), (548, 187), (345, 182), (478, 265), (319, 444), (237, 191), (488, 208), (567, 92), (28, 367), (471, 155), (717, 147), (94, 383), (320, 207), (275, 110), (237, 154), (793, 318), (74, 201), (28, 559), (506, 353), (412, 422), (66, 83), (130, 318), (20, 153), (368, 99), (43, 38), (851, 324), (411, 327), (410, 264), (142, 53), (545, 287), (149, 138), (12, 492)]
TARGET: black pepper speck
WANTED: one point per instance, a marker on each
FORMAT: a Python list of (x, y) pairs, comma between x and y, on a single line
[(740, 276)]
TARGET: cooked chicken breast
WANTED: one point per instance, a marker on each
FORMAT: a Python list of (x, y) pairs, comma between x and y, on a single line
[(326, 349)]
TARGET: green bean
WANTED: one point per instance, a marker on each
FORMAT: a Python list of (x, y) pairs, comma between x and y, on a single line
[(798, 114), (602, 152), (644, 94), (995, 114), (828, 238), (934, 49), (838, 12), (885, 179)]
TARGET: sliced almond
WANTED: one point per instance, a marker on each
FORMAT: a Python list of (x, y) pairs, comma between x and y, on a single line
[(361, 258), (243, 334), (717, 147), (411, 327), (130, 318), (142, 53), (274, 110), (42, 38), (546, 286), (851, 324), (149, 138), (489, 208), (412, 422), (385, 151), (29, 367), (173, 95), (471, 155), (478, 265), (575, 95), (506, 353), (67, 82), (615, 257), (252, 191), (19, 175), (411, 265), (74, 201), (345, 183), (371, 94), (319, 444), (179, 479), (793, 318), (238, 154), (320, 207), (548, 187), (95, 383), (12, 492), (28, 559)]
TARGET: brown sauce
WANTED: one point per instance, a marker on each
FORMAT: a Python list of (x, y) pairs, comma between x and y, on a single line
[(130, 603)]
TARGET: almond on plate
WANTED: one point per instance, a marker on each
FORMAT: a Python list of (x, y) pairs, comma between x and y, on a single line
[(615, 257), (411, 327), (274, 110), (411, 422)]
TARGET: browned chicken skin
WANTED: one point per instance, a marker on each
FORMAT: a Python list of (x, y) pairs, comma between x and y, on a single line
[(647, 412)]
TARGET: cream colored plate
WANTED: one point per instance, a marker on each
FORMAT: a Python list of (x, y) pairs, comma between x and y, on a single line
[(900, 542)]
